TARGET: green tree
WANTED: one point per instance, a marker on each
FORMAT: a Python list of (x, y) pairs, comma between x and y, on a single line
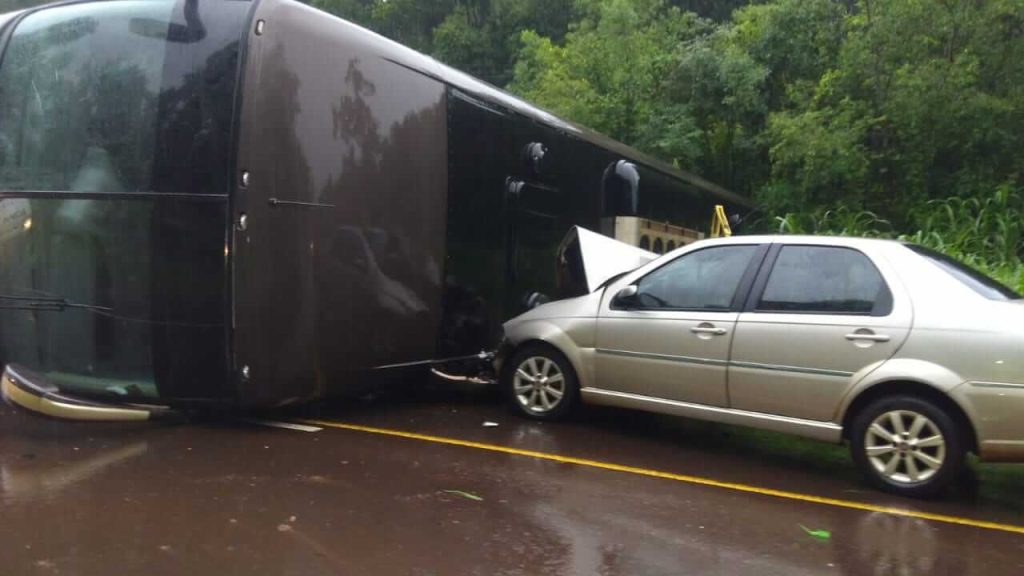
[(410, 22), (609, 72), (717, 10), (483, 40), (358, 11), (721, 88), (923, 102), (795, 40)]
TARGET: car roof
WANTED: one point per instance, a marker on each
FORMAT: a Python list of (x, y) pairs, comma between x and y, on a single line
[(849, 241)]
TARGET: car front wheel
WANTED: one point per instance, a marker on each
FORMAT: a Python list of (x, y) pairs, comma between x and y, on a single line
[(908, 446), (540, 383)]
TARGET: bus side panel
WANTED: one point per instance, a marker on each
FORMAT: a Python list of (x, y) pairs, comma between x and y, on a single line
[(339, 267)]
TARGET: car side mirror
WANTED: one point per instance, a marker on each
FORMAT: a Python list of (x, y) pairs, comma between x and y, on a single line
[(626, 296)]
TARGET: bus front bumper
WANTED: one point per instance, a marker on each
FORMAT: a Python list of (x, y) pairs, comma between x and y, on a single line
[(24, 389)]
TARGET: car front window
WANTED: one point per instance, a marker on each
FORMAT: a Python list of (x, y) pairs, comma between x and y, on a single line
[(702, 280)]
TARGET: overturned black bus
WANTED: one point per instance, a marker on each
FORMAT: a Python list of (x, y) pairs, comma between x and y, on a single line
[(251, 204)]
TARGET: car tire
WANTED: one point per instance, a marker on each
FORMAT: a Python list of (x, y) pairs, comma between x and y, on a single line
[(908, 445), (540, 383)]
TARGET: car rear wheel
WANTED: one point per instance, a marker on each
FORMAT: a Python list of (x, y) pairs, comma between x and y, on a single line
[(540, 383), (908, 446)]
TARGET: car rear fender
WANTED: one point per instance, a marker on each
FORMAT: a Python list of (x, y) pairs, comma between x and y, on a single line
[(902, 370)]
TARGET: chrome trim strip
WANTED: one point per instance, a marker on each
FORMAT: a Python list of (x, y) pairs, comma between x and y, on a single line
[(665, 357), (797, 369), (826, 431), (714, 362), (997, 385)]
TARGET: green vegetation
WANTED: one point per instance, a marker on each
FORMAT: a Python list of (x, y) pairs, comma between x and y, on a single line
[(896, 118), (986, 233)]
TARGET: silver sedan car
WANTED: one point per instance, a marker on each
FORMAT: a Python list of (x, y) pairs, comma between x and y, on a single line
[(910, 357)]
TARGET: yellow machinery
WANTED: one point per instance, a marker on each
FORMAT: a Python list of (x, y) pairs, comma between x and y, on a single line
[(720, 223)]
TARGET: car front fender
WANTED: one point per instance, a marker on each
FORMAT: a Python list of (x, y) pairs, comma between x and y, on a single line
[(573, 337)]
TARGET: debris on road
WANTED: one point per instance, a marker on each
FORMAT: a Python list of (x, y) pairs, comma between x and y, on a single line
[(489, 424), (468, 495), (819, 534)]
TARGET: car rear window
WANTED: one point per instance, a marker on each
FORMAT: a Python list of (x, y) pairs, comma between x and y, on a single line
[(825, 280), (973, 279)]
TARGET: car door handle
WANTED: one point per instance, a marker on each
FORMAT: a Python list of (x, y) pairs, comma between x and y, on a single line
[(865, 336), (708, 330)]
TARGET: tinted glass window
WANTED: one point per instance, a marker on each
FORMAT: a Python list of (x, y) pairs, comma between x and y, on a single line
[(702, 280), (120, 96), (822, 279), (114, 296), (970, 277)]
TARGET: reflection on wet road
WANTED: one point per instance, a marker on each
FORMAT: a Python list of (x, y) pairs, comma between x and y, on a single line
[(30, 480), (222, 498), (700, 481)]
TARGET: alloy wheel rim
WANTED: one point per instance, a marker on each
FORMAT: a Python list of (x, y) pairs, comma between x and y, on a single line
[(539, 385), (905, 447)]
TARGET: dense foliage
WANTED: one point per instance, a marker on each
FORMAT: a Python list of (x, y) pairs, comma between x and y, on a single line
[(896, 117)]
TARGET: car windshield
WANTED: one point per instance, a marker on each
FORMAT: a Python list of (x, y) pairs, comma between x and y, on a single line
[(980, 283)]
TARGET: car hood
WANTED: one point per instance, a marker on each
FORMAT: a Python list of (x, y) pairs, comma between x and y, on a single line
[(587, 259), (579, 307)]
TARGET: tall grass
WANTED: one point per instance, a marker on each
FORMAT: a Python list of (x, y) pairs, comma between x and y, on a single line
[(985, 233)]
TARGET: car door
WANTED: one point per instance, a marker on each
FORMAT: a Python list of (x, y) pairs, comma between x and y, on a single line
[(817, 315), (671, 340)]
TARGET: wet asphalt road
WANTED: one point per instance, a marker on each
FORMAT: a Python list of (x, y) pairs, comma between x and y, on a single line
[(235, 498)]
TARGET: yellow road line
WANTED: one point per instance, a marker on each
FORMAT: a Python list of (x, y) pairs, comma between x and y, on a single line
[(677, 477)]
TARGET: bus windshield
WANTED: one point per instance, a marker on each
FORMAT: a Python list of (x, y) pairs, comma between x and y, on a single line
[(78, 95), (115, 147)]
